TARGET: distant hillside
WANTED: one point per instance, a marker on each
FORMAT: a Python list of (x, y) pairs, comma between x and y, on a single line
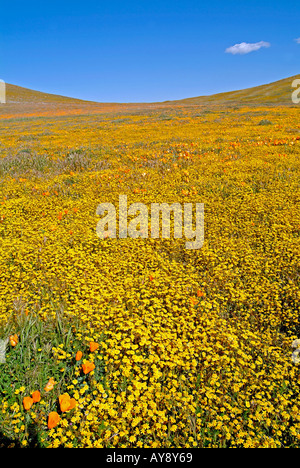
[(16, 94), (277, 93), (23, 101)]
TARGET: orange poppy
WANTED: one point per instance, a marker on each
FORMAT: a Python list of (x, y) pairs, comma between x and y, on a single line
[(14, 339), (93, 346), (72, 403), (36, 396), (78, 355), (66, 403), (50, 385), (200, 293), (27, 402), (193, 301), (53, 419), (88, 367)]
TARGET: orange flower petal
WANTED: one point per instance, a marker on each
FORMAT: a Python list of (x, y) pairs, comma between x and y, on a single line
[(72, 403), (36, 396), (53, 419), (27, 403), (88, 367), (66, 403), (93, 346), (78, 355), (50, 385), (193, 300), (14, 339)]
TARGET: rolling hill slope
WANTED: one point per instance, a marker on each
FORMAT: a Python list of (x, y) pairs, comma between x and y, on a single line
[(23, 101), (276, 93)]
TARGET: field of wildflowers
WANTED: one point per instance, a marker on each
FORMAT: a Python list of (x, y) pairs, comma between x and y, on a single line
[(140, 342)]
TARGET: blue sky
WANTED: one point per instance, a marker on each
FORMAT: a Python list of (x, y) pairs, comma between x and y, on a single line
[(147, 51)]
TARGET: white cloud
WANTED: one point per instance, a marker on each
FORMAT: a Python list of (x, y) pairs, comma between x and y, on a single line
[(246, 48), (298, 40)]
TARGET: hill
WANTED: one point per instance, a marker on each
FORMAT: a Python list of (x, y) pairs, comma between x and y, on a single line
[(23, 101), (276, 93)]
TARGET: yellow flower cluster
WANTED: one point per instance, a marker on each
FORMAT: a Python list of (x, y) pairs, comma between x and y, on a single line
[(195, 344)]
